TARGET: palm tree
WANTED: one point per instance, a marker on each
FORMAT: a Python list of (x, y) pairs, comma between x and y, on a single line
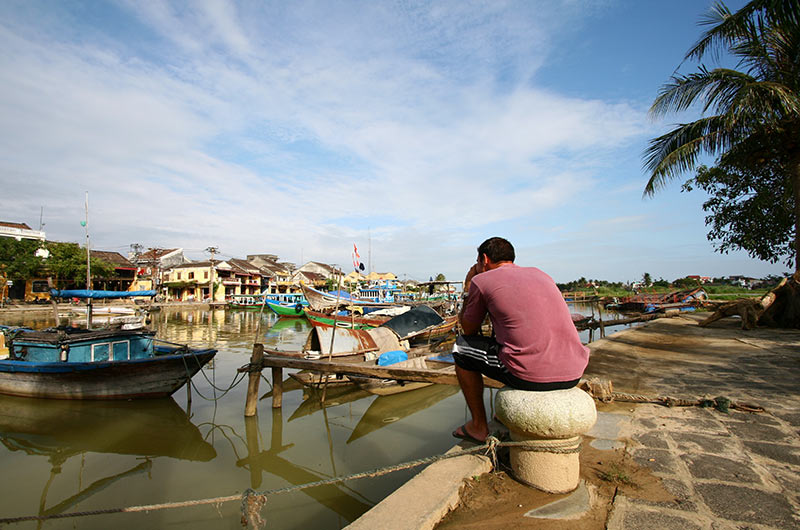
[(749, 114)]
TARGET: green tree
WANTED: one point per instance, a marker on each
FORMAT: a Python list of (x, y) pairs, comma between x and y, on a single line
[(67, 264), (647, 280), (754, 110), (748, 209), (18, 258), (440, 277)]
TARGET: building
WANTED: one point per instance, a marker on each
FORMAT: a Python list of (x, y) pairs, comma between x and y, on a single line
[(20, 231), (191, 282), (276, 276), (151, 264), (124, 276)]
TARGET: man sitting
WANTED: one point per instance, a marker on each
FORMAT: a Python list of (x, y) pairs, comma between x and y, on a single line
[(535, 345)]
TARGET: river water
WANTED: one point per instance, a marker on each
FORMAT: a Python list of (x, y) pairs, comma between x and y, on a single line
[(58, 457)]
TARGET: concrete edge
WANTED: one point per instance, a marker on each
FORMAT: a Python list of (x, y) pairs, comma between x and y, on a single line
[(425, 499)]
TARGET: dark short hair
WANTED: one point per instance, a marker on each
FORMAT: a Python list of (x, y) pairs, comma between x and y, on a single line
[(497, 249)]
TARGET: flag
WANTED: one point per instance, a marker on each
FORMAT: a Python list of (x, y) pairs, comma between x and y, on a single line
[(357, 265)]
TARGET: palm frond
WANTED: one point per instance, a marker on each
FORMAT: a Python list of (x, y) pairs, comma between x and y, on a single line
[(727, 27), (676, 151), (717, 87)]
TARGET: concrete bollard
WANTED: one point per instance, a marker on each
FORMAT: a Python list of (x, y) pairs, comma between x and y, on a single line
[(552, 424)]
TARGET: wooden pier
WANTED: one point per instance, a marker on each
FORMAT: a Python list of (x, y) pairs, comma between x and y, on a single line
[(363, 368)]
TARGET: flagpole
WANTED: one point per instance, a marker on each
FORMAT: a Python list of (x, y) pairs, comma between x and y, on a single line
[(88, 266)]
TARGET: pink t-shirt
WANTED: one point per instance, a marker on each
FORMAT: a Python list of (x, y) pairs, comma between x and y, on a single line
[(531, 322)]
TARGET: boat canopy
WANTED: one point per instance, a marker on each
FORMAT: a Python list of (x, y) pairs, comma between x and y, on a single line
[(88, 293)]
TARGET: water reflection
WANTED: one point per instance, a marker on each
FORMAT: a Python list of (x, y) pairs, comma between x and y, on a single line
[(342, 500), (60, 430), (389, 409)]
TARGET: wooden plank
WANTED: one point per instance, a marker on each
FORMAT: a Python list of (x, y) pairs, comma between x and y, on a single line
[(368, 370)]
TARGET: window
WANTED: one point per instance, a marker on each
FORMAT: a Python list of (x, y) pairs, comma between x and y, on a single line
[(39, 286), (100, 352), (191, 276), (179, 275), (121, 350), (205, 275)]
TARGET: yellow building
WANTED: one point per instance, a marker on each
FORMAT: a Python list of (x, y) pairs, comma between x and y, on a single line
[(375, 276), (190, 282)]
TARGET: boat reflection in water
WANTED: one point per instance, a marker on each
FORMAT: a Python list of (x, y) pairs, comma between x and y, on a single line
[(389, 409), (59, 430)]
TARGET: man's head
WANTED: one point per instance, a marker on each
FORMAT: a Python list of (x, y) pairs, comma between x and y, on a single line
[(497, 250)]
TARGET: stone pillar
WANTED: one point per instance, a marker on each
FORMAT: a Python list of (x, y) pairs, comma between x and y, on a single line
[(552, 424)]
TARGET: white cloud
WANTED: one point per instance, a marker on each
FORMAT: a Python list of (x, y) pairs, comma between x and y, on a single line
[(280, 127)]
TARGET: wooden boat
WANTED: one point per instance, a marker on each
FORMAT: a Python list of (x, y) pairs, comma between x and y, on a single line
[(286, 310), (320, 301), (442, 364), (650, 303), (308, 379), (71, 363), (256, 301), (351, 321)]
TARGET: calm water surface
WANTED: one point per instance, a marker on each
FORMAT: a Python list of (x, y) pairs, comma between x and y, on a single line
[(60, 456)]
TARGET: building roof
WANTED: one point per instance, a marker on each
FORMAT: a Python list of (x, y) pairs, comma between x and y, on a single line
[(21, 226), (312, 276), (244, 266), (115, 258), (157, 253)]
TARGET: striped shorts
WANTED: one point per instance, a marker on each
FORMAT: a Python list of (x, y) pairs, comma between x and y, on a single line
[(480, 354)]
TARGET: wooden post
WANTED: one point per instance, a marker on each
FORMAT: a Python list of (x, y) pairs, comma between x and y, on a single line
[(250, 407), (602, 326), (277, 387)]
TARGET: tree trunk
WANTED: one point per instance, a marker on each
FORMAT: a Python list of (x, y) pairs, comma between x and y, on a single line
[(796, 193)]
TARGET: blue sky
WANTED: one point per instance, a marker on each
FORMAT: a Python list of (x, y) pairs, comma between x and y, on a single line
[(413, 129)]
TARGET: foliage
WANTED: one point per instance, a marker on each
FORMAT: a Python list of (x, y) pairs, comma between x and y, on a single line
[(754, 116), (686, 283), (67, 261), (440, 277), (17, 258), (749, 209), (647, 280)]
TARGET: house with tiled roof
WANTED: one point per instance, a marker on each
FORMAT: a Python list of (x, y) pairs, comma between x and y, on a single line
[(152, 264), (20, 231), (124, 275), (276, 275)]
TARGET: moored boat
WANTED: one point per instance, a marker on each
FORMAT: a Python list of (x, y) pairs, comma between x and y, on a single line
[(68, 363), (351, 321), (103, 363), (286, 310)]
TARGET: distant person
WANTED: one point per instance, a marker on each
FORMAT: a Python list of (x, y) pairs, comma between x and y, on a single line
[(535, 344)]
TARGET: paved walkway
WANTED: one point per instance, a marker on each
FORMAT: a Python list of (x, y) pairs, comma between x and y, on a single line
[(726, 470)]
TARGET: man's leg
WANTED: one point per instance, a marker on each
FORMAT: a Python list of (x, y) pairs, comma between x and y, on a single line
[(471, 384)]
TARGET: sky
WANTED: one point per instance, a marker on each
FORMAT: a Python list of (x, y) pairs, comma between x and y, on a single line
[(414, 130)]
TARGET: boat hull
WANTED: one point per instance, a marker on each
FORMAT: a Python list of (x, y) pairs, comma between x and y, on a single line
[(288, 311), (153, 377)]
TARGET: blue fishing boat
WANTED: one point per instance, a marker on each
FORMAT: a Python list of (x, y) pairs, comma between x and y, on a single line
[(104, 363)]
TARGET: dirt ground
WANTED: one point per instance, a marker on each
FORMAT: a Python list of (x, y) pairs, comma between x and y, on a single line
[(497, 501)]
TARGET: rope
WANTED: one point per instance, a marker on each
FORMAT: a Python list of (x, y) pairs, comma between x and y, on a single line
[(236, 380), (252, 501), (721, 403)]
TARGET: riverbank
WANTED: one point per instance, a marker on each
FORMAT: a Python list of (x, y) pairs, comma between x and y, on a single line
[(650, 466)]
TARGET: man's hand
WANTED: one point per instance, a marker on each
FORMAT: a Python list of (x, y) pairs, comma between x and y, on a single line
[(475, 269)]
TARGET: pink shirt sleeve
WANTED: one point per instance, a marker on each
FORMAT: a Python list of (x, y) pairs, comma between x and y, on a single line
[(475, 309)]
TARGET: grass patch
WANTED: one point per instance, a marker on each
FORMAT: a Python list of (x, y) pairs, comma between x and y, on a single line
[(616, 475)]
